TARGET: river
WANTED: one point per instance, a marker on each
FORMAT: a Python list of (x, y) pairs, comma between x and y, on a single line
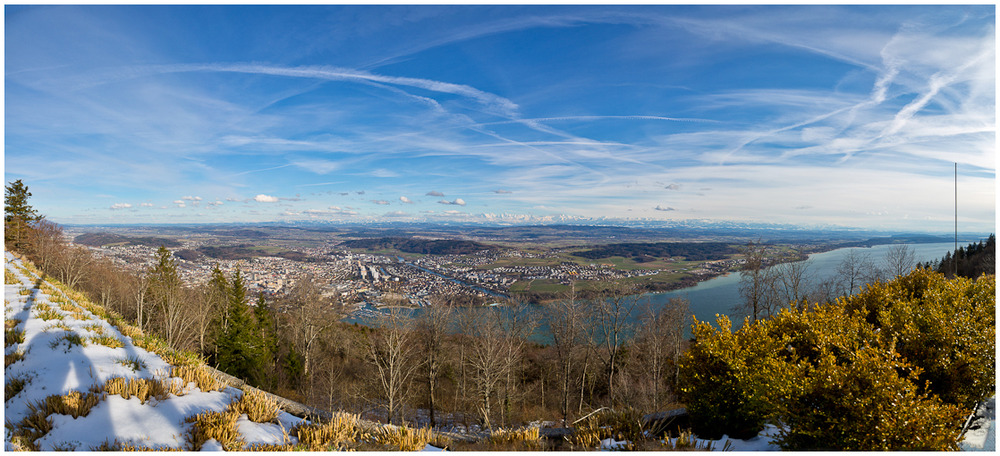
[(720, 294)]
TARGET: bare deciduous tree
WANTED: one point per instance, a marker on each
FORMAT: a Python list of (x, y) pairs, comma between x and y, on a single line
[(431, 328), (46, 244), (757, 283), (174, 316), (72, 265), (899, 260), (103, 280), (391, 348), (206, 307), (139, 295), (566, 318), (308, 316), (517, 321), (856, 269), (658, 345), (611, 312), (485, 356), (791, 281)]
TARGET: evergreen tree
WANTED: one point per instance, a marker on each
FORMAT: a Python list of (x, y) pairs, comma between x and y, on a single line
[(970, 261), (18, 214), (241, 353), (267, 335), (218, 297)]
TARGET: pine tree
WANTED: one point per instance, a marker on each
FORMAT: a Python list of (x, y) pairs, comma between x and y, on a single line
[(18, 214)]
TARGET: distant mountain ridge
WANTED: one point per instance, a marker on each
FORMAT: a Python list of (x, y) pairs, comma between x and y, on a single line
[(645, 251), (102, 239), (422, 246)]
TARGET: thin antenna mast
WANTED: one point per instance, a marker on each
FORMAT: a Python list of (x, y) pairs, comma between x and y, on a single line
[(954, 257)]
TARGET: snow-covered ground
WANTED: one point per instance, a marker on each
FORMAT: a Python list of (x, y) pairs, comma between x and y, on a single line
[(982, 434), (52, 365)]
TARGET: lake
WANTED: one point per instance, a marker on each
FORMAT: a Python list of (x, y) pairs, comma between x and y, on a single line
[(720, 294)]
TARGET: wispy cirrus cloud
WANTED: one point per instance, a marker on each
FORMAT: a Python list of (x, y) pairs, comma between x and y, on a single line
[(905, 90)]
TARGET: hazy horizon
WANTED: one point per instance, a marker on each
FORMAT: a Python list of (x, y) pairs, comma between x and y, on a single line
[(841, 116)]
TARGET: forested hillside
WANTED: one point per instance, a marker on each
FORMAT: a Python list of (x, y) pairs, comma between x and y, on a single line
[(101, 239), (970, 261), (645, 251), (422, 246)]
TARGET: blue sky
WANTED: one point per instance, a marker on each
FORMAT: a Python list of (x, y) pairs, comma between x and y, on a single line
[(820, 115)]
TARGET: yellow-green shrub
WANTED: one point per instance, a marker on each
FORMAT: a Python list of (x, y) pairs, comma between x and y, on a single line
[(947, 327), (730, 381), (863, 373), (865, 404)]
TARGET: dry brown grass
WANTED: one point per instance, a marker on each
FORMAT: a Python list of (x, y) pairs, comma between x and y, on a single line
[(72, 340), (31, 428), (13, 386), (130, 331), (132, 362), (258, 407), (38, 423), (338, 434), (270, 447), (527, 438), (9, 278), (75, 404), (142, 388), (588, 435), (13, 357), (47, 313), (220, 426), (57, 325), (402, 438), (13, 336), (201, 377), (107, 341), (180, 358), (10, 323), (119, 446)]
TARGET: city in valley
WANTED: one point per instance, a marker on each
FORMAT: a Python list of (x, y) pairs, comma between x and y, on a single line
[(422, 265)]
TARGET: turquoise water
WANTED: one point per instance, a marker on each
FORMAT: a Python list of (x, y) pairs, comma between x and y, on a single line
[(718, 296)]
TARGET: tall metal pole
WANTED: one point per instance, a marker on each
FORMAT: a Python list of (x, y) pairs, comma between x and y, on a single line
[(954, 257)]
